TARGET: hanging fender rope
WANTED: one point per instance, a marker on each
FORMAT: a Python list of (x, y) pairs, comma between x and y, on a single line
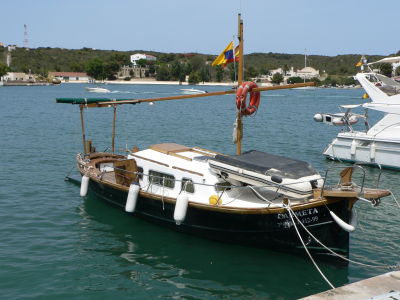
[(241, 95)]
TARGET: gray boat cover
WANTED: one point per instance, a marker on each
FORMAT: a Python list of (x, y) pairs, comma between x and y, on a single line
[(268, 164)]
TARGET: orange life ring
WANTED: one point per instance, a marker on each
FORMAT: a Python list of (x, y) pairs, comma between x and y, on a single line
[(241, 94)]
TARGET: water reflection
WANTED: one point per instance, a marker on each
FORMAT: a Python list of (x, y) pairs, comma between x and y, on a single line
[(160, 259)]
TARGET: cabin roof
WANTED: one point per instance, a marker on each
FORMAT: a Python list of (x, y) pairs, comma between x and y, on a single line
[(268, 164)]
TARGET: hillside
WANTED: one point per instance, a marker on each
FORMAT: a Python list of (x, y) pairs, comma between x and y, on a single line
[(43, 60)]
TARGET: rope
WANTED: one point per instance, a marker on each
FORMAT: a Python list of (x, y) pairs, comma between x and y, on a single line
[(288, 208), (308, 252), (395, 200)]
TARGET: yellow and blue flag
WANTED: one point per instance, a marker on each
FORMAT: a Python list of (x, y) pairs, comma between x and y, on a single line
[(227, 56)]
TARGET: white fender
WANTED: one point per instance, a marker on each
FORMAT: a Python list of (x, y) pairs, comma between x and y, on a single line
[(372, 151), (84, 185), (353, 147), (132, 197), (181, 208), (353, 218), (341, 223)]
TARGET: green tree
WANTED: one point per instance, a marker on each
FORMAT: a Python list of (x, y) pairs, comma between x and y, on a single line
[(348, 80), (285, 69), (330, 81), (219, 73), (95, 68), (386, 69), (163, 73), (194, 77), (317, 81), (176, 71), (121, 59), (250, 72), (3, 70), (295, 79), (188, 68), (141, 62), (204, 74), (197, 63), (77, 67), (277, 78)]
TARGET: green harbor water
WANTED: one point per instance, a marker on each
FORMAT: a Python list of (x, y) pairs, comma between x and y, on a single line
[(56, 245)]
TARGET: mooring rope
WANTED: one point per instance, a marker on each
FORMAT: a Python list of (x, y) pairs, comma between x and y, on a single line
[(394, 198), (308, 252), (335, 253)]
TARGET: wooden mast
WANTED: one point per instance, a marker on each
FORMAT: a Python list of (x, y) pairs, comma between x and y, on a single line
[(81, 107), (239, 124), (113, 129)]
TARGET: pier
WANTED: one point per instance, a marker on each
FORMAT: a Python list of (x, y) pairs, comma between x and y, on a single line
[(382, 287)]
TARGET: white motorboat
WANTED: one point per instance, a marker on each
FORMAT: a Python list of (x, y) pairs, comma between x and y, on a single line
[(192, 91), (376, 145), (97, 90)]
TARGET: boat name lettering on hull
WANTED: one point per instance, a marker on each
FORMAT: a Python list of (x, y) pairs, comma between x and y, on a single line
[(306, 216), (301, 213)]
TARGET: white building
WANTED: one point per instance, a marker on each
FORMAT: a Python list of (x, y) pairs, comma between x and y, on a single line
[(138, 56), (70, 76), (17, 76), (307, 73)]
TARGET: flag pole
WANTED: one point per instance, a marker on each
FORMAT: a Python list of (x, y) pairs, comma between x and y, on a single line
[(234, 59), (239, 124)]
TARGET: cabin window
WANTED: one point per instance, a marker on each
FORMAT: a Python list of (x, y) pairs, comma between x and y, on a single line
[(188, 183), (223, 186), (140, 173), (328, 119), (158, 178)]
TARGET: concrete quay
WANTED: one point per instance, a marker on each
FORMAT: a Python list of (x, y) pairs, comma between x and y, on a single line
[(382, 287)]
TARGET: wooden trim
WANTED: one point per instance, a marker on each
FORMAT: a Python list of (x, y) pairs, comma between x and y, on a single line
[(188, 171), (202, 149), (179, 156), (150, 160)]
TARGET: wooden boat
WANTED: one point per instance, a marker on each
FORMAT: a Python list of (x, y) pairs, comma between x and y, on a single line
[(250, 198)]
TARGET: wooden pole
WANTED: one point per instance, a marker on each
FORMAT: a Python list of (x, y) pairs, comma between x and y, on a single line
[(240, 38), (283, 87), (83, 129), (183, 97), (239, 131), (113, 130)]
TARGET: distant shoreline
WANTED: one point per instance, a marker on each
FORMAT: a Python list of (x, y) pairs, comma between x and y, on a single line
[(152, 81)]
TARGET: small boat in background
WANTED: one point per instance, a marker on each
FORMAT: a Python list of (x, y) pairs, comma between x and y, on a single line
[(192, 91), (97, 90)]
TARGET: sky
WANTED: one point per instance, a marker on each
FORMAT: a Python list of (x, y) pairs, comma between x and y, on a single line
[(323, 27)]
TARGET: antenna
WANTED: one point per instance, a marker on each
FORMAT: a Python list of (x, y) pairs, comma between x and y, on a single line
[(25, 42)]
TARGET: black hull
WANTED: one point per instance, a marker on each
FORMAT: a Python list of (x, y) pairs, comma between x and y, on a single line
[(273, 231)]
